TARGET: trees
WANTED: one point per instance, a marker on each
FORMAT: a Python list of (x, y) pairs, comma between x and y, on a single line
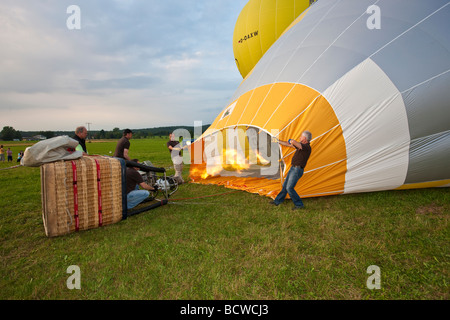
[(114, 134), (47, 134), (9, 134)]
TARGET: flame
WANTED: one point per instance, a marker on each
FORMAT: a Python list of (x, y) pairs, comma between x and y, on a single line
[(235, 161), (232, 161), (261, 159), (211, 171), (206, 171)]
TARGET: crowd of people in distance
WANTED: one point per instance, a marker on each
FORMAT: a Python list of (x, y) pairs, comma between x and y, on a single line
[(9, 155)]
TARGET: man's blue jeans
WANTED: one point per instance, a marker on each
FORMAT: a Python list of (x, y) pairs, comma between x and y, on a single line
[(294, 174), (136, 196)]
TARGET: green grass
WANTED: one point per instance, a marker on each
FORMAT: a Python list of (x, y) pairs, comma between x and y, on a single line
[(233, 246)]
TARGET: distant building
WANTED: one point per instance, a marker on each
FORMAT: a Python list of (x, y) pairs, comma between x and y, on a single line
[(38, 137)]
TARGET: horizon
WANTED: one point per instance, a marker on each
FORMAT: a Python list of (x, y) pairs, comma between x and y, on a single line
[(121, 129)]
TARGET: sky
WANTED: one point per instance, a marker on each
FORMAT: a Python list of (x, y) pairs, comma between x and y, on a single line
[(131, 64)]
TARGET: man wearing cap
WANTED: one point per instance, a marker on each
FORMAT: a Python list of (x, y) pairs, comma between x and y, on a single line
[(123, 145), (299, 160)]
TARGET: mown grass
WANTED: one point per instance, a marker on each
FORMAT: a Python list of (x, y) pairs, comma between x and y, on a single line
[(232, 246)]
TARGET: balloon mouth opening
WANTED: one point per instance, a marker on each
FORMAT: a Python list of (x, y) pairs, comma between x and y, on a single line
[(240, 152)]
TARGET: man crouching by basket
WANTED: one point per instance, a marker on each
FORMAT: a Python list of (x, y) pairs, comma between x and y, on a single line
[(134, 181)]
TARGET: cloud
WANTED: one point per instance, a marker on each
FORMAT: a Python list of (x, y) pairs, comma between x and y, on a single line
[(169, 59), (132, 82)]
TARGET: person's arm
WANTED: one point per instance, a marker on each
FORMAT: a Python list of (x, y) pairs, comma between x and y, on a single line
[(125, 154), (285, 143), (177, 147), (145, 186), (296, 144)]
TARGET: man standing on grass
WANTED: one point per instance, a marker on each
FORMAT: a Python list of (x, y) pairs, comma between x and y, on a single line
[(175, 152), (123, 145), (298, 164), (134, 181)]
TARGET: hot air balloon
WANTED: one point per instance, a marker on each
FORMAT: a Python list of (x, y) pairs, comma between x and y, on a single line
[(374, 94), (259, 25)]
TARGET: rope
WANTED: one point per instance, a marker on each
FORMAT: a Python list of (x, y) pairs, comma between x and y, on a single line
[(65, 197), (11, 167)]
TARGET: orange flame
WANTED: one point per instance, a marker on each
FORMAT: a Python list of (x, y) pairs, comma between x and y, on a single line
[(231, 161), (235, 161), (261, 159)]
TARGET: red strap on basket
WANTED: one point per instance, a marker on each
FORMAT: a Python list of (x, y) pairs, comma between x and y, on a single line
[(75, 195), (99, 188)]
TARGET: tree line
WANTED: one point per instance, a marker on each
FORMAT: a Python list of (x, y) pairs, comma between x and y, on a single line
[(9, 133)]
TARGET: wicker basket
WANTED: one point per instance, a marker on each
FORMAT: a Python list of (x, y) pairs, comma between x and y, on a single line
[(95, 182)]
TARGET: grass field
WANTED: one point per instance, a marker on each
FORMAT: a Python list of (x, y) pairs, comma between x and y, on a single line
[(233, 246)]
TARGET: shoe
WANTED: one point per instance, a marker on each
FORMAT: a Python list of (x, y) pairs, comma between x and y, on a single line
[(298, 208), (274, 203)]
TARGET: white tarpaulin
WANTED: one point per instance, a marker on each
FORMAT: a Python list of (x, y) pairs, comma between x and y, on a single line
[(54, 149)]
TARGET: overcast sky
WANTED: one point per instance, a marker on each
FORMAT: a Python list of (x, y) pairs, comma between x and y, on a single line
[(133, 64)]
